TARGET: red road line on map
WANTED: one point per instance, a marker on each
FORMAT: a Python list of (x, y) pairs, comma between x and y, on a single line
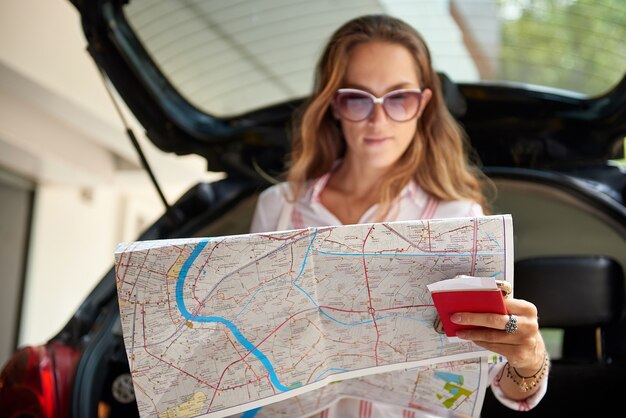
[(430, 244), (275, 330), (377, 310), (405, 239), (206, 261), (201, 306), (167, 286), (339, 243), (226, 334), (132, 289), (153, 271), (305, 355), (320, 331), (121, 281), (337, 355), (285, 238), (143, 323), (137, 385), (474, 247), (429, 250), (169, 305), (132, 337), (219, 382), (371, 309), (126, 270), (404, 307), (342, 310)]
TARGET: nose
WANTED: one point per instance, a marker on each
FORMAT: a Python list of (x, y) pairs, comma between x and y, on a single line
[(378, 114)]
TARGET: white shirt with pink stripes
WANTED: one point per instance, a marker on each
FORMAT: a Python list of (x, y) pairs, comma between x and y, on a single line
[(274, 212), (308, 211)]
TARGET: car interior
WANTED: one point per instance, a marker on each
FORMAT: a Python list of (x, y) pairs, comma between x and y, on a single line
[(569, 263)]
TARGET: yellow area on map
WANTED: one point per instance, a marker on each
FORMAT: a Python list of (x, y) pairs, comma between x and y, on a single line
[(191, 408), (457, 392), (174, 271)]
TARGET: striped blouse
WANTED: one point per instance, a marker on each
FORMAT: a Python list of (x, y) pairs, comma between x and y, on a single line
[(308, 211)]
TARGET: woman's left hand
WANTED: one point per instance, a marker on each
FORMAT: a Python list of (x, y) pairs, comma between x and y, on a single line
[(524, 348)]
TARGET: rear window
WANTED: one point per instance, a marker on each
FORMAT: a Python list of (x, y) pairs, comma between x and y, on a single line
[(231, 57)]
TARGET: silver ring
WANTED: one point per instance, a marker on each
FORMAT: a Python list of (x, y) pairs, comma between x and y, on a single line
[(511, 325)]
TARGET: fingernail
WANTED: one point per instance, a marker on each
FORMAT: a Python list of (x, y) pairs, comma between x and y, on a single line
[(460, 334), (456, 318)]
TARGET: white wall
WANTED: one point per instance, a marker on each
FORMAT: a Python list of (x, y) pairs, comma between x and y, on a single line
[(75, 232), (59, 129)]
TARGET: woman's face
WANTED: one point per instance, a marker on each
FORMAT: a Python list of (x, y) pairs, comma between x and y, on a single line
[(378, 68)]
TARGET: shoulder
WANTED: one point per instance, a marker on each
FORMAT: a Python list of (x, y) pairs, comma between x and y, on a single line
[(277, 192), (429, 206), (458, 209), (269, 206)]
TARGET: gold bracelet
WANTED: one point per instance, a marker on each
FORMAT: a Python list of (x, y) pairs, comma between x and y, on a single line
[(527, 383)]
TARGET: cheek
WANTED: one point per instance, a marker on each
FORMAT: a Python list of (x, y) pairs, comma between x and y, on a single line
[(350, 131), (407, 132)]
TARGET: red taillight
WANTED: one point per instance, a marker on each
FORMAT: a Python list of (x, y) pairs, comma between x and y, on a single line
[(37, 380)]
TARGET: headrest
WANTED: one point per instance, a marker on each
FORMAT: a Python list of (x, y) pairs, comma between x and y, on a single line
[(572, 291), (455, 101)]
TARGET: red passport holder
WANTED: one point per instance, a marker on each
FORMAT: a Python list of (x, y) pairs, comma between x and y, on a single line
[(451, 301)]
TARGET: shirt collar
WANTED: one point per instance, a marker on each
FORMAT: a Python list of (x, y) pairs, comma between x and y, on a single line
[(317, 186), (411, 191)]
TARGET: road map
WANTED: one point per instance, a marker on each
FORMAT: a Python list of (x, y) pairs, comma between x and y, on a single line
[(450, 389), (223, 325)]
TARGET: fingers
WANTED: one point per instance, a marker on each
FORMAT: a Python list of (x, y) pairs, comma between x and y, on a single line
[(520, 307), (524, 312), (497, 322), (522, 336), (486, 320), (520, 347)]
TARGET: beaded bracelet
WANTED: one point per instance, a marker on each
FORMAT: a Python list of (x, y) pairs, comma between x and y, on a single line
[(527, 383)]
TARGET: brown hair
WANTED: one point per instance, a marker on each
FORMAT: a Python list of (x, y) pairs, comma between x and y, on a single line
[(436, 159)]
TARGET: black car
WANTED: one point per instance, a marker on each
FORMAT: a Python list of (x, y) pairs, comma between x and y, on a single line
[(222, 79)]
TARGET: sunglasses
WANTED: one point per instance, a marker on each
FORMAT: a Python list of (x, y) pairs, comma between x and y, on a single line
[(357, 105)]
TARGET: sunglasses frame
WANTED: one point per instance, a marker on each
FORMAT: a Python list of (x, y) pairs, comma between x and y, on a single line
[(376, 100)]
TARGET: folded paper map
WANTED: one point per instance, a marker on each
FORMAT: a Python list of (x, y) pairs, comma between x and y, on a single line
[(223, 325)]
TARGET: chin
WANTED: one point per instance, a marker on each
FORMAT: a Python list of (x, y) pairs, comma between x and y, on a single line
[(382, 164)]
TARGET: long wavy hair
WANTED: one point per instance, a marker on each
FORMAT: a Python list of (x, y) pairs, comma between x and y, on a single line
[(437, 158)]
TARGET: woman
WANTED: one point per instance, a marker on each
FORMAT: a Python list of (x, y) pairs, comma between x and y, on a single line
[(376, 143)]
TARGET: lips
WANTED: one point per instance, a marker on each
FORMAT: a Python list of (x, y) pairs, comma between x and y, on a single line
[(376, 139)]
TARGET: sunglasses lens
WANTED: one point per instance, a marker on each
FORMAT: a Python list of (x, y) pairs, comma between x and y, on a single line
[(402, 106), (354, 106)]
